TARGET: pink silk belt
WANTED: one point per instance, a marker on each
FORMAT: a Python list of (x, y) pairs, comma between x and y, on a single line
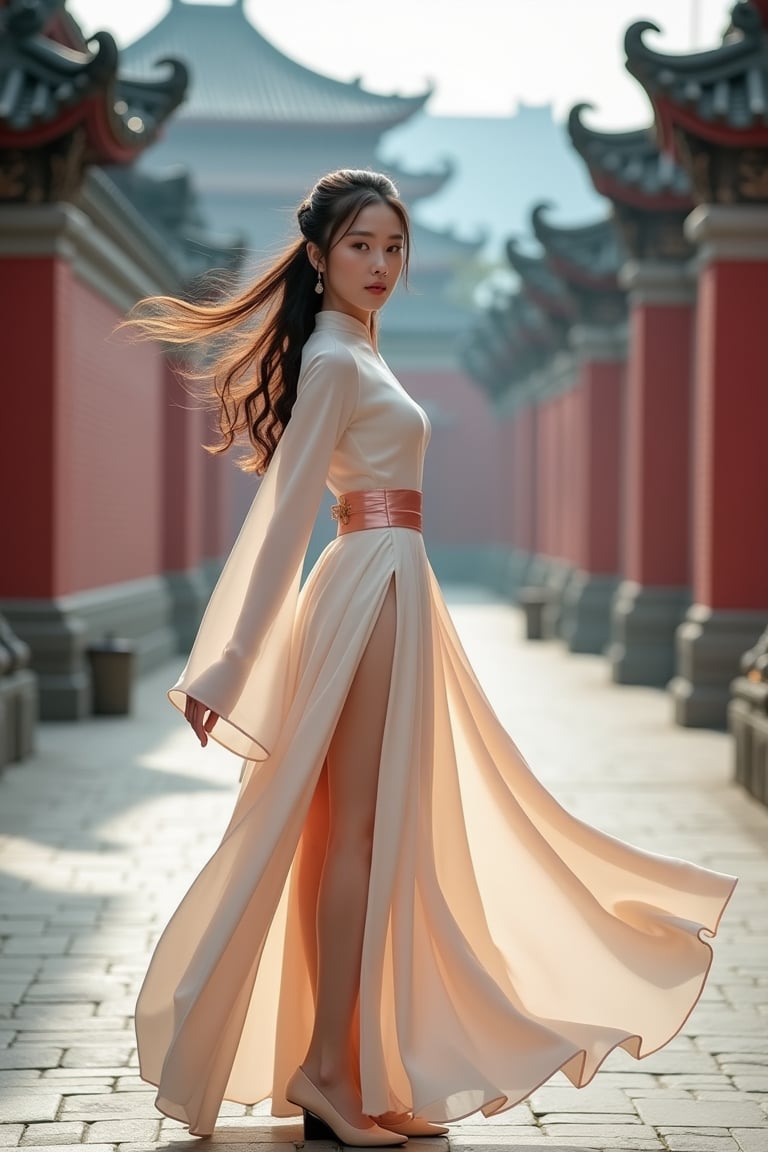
[(378, 508)]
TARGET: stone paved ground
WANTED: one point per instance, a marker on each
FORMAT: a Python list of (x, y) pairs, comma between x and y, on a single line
[(106, 827)]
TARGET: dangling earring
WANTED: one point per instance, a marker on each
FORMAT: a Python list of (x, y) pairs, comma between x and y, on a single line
[(319, 287)]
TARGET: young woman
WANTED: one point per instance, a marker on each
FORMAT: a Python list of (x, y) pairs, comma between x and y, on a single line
[(401, 926)]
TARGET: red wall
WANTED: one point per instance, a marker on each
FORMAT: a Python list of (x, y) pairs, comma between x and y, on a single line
[(730, 420), (28, 456), (463, 489), (656, 538), (221, 481), (524, 495), (183, 460), (85, 453), (600, 390), (518, 479), (110, 465), (574, 469), (508, 465)]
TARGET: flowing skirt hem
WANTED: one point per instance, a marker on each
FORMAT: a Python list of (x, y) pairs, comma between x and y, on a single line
[(580, 1066)]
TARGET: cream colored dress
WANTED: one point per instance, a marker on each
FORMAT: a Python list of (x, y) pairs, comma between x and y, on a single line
[(504, 938)]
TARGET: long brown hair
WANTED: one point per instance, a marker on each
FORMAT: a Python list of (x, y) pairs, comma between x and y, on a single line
[(261, 331)]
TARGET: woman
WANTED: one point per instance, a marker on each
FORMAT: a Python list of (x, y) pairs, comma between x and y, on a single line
[(400, 926)]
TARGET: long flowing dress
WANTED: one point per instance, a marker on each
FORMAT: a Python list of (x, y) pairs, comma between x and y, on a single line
[(504, 939)]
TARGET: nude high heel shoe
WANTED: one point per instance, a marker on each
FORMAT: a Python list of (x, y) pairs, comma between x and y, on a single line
[(323, 1122), (413, 1126)]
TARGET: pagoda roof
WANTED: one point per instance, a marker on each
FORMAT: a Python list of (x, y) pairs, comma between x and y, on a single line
[(237, 75), (586, 255), (415, 186), (440, 249), (48, 87), (169, 204), (540, 283), (630, 167), (511, 340), (721, 94)]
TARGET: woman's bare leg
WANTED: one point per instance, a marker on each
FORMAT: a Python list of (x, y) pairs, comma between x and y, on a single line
[(314, 844), (353, 774)]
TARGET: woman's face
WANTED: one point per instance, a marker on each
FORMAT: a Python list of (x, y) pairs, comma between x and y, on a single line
[(364, 264)]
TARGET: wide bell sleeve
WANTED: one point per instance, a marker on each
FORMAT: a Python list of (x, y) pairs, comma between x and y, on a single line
[(238, 665)]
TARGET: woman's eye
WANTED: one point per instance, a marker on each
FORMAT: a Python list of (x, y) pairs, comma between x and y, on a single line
[(396, 248), (359, 244)]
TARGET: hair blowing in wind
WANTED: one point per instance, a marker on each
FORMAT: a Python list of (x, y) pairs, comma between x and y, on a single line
[(259, 332)]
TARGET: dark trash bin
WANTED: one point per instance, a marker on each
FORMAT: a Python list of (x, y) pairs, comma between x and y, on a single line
[(533, 600), (112, 664)]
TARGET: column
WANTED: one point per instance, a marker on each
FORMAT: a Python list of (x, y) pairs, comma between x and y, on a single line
[(86, 519), (518, 490), (730, 417), (184, 434), (218, 515), (654, 593), (596, 412), (525, 492)]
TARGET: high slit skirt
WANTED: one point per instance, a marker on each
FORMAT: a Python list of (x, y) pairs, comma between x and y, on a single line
[(504, 938)]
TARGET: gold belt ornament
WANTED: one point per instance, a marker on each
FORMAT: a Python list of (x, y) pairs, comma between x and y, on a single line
[(342, 511)]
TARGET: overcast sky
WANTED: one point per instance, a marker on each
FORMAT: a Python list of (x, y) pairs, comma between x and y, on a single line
[(482, 56)]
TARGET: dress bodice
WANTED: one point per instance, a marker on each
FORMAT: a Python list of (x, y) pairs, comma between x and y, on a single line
[(384, 443)]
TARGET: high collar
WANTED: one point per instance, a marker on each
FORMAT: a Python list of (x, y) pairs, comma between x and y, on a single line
[(341, 322)]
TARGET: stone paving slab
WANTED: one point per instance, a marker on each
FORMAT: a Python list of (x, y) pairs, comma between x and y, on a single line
[(102, 832)]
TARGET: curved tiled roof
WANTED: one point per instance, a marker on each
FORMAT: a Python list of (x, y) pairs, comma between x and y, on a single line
[(723, 91), (440, 249), (629, 166), (510, 340), (46, 88), (169, 204), (540, 282), (415, 186), (591, 252), (238, 75)]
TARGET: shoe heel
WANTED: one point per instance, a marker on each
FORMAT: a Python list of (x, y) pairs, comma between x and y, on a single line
[(317, 1129)]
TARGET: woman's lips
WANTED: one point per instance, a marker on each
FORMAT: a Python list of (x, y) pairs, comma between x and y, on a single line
[(378, 289)]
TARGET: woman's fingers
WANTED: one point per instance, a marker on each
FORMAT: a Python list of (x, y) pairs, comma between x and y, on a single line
[(210, 720), (195, 713)]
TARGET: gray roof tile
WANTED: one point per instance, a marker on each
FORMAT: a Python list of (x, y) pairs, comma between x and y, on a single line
[(238, 75), (42, 80), (629, 162), (724, 85), (594, 250)]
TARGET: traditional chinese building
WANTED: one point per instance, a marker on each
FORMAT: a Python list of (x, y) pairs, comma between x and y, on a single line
[(257, 128), (711, 112), (650, 197), (647, 519), (107, 499), (256, 132), (578, 433)]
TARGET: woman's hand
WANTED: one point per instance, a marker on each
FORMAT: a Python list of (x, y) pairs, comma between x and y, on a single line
[(195, 713)]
